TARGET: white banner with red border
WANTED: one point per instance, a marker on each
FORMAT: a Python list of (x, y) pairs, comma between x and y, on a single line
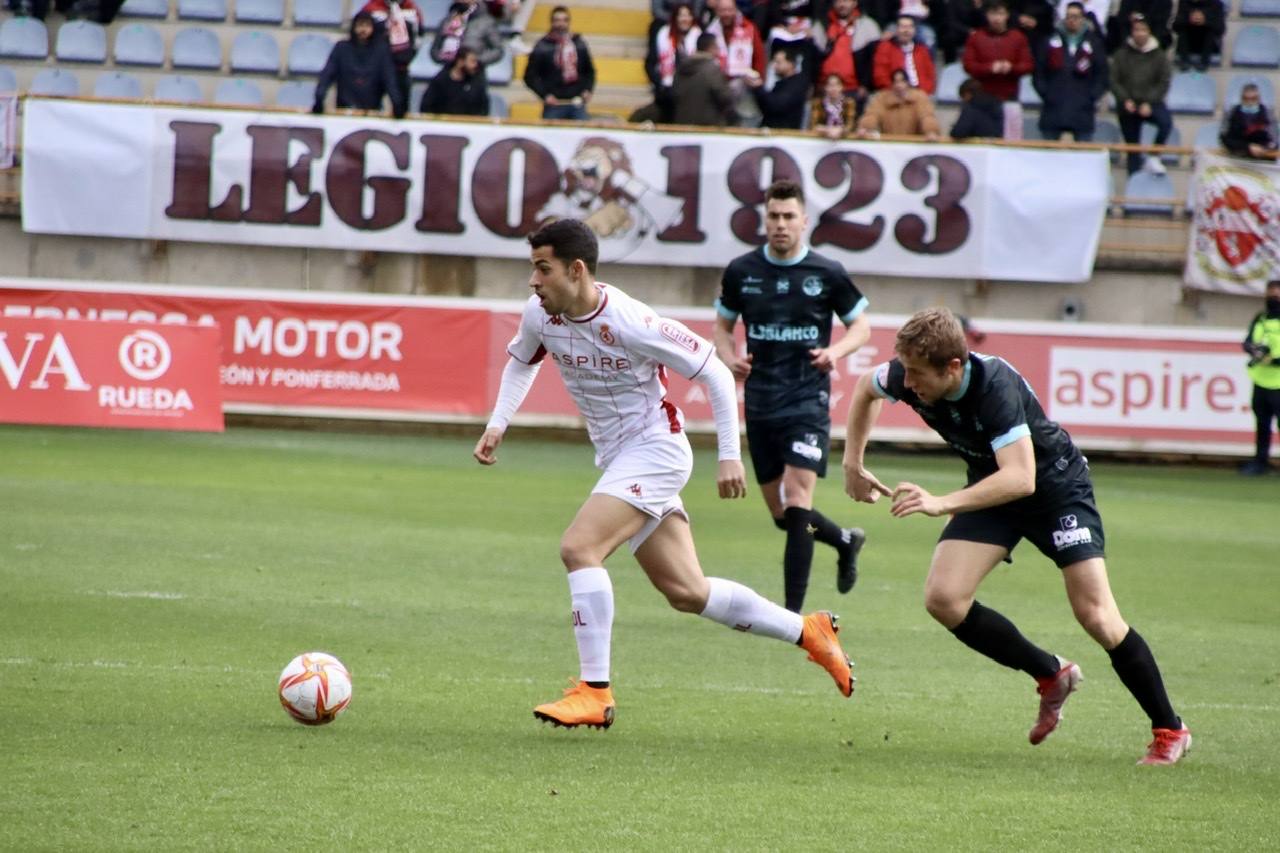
[(1134, 388), (1235, 226), (949, 211)]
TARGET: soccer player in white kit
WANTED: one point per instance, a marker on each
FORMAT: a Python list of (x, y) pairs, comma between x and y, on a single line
[(613, 353)]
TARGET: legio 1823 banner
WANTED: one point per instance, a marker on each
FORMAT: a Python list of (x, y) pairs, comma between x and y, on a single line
[(695, 199), (109, 374)]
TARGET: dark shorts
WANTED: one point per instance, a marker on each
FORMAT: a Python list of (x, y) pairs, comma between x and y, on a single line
[(1066, 531), (778, 442)]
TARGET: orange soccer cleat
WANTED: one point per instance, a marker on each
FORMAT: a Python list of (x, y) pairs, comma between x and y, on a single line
[(582, 705), (818, 638), (1054, 691), (1168, 745)]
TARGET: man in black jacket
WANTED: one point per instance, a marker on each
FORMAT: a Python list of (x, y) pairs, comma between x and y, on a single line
[(460, 90), (1249, 130), (1070, 76), (560, 70), (1199, 25), (362, 69), (981, 116), (784, 105)]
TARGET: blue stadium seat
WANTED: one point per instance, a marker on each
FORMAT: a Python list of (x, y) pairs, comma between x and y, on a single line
[(498, 106), (296, 93), (1107, 132), (1257, 46), (117, 84), (202, 10), (1207, 136), (236, 92), (55, 81), (949, 80), (308, 53), (24, 38), (197, 47), (433, 12), (1148, 137), (1266, 89), (260, 11), (1260, 9), (500, 72), (1027, 94), (81, 41), (1149, 192), (423, 66), (255, 51), (179, 89), (1192, 92), (8, 80), (1031, 128), (416, 91), (139, 44), (145, 9), (318, 13)]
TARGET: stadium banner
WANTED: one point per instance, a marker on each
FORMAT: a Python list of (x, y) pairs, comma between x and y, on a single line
[(8, 129), (109, 374), (1235, 225), (941, 210), (1130, 388)]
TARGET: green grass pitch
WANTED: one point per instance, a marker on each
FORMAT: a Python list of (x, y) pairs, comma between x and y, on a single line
[(152, 586)]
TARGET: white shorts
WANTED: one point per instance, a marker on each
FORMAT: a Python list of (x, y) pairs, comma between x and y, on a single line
[(649, 474)]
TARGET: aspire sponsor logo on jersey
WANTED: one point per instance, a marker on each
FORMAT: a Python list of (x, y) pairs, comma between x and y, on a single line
[(1071, 533), (781, 332), (588, 362)]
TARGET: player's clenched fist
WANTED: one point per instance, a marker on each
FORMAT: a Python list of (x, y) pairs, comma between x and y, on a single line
[(731, 478), (485, 447)]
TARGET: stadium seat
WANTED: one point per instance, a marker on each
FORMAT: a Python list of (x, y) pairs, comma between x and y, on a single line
[(949, 80), (1257, 46), (260, 11), (423, 66), (145, 9), (1191, 92), (139, 44), (318, 13), (117, 84), (256, 52), (1148, 137), (1107, 132), (202, 10), (24, 38), (1207, 136), (197, 47), (498, 106), (1027, 94), (500, 72), (1031, 128), (55, 81), (8, 80), (308, 53), (1260, 9), (296, 93), (1148, 193), (434, 11), (1266, 89), (416, 91), (179, 89), (81, 41), (236, 92)]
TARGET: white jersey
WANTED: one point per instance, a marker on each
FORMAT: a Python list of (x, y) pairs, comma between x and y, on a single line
[(614, 362)]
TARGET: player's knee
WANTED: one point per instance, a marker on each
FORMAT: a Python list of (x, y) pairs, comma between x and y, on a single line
[(945, 607), (685, 599), (576, 554), (1101, 621)]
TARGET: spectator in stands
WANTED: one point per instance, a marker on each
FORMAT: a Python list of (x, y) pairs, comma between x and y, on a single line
[(903, 51), (963, 17), (783, 106), (1262, 343), (833, 111), (1071, 76), (1036, 19), (981, 116), (1249, 128), (742, 56), (900, 110), (1140, 74), (470, 24), (362, 70), (461, 89), (701, 94), (851, 41), (669, 43), (1199, 25), (102, 11), (560, 71), (1096, 12), (1157, 12), (400, 23), (996, 56)]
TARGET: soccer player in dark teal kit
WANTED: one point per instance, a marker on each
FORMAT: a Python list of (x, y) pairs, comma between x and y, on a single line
[(786, 295), (1026, 480)]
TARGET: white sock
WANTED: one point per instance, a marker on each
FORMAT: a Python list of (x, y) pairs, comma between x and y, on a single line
[(743, 609), (592, 596)]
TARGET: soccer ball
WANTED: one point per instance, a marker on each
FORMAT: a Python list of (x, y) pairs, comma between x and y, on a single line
[(315, 688)]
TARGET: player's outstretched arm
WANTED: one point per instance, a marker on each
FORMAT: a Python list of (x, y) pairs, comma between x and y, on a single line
[(731, 478), (517, 379), (864, 407)]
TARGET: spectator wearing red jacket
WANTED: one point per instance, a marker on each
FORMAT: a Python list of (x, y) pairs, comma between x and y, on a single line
[(903, 51), (997, 57), (850, 35)]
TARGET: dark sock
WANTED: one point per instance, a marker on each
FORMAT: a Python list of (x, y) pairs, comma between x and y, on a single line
[(598, 685), (987, 632), (826, 531), (1133, 662), (797, 558)]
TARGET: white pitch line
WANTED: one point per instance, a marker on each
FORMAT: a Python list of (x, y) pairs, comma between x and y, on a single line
[(152, 594)]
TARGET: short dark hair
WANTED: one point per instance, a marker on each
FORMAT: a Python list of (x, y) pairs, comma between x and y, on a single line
[(970, 87), (570, 240), (1275, 282), (463, 53), (992, 5), (899, 72), (783, 189), (558, 9), (706, 41), (1077, 4), (1249, 87)]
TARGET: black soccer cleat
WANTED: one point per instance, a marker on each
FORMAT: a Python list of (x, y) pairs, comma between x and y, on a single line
[(847, 562)]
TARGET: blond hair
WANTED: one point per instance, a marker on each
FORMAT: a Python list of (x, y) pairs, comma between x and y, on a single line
[(934, 335)]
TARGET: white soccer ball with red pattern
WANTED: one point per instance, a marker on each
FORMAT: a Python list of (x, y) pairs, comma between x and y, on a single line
[(315, 688)]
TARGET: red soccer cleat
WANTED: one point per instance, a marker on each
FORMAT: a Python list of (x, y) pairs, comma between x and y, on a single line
[(1168, 745), (1054, 691)]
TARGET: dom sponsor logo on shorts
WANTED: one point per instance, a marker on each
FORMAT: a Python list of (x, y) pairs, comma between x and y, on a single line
[(1070, 533)]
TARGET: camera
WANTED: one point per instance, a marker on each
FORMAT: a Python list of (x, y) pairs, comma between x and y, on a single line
[(1257, 353)]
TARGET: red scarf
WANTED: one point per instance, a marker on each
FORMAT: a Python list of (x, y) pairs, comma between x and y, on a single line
[(737, 48), (566, 58), (671, 47)]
